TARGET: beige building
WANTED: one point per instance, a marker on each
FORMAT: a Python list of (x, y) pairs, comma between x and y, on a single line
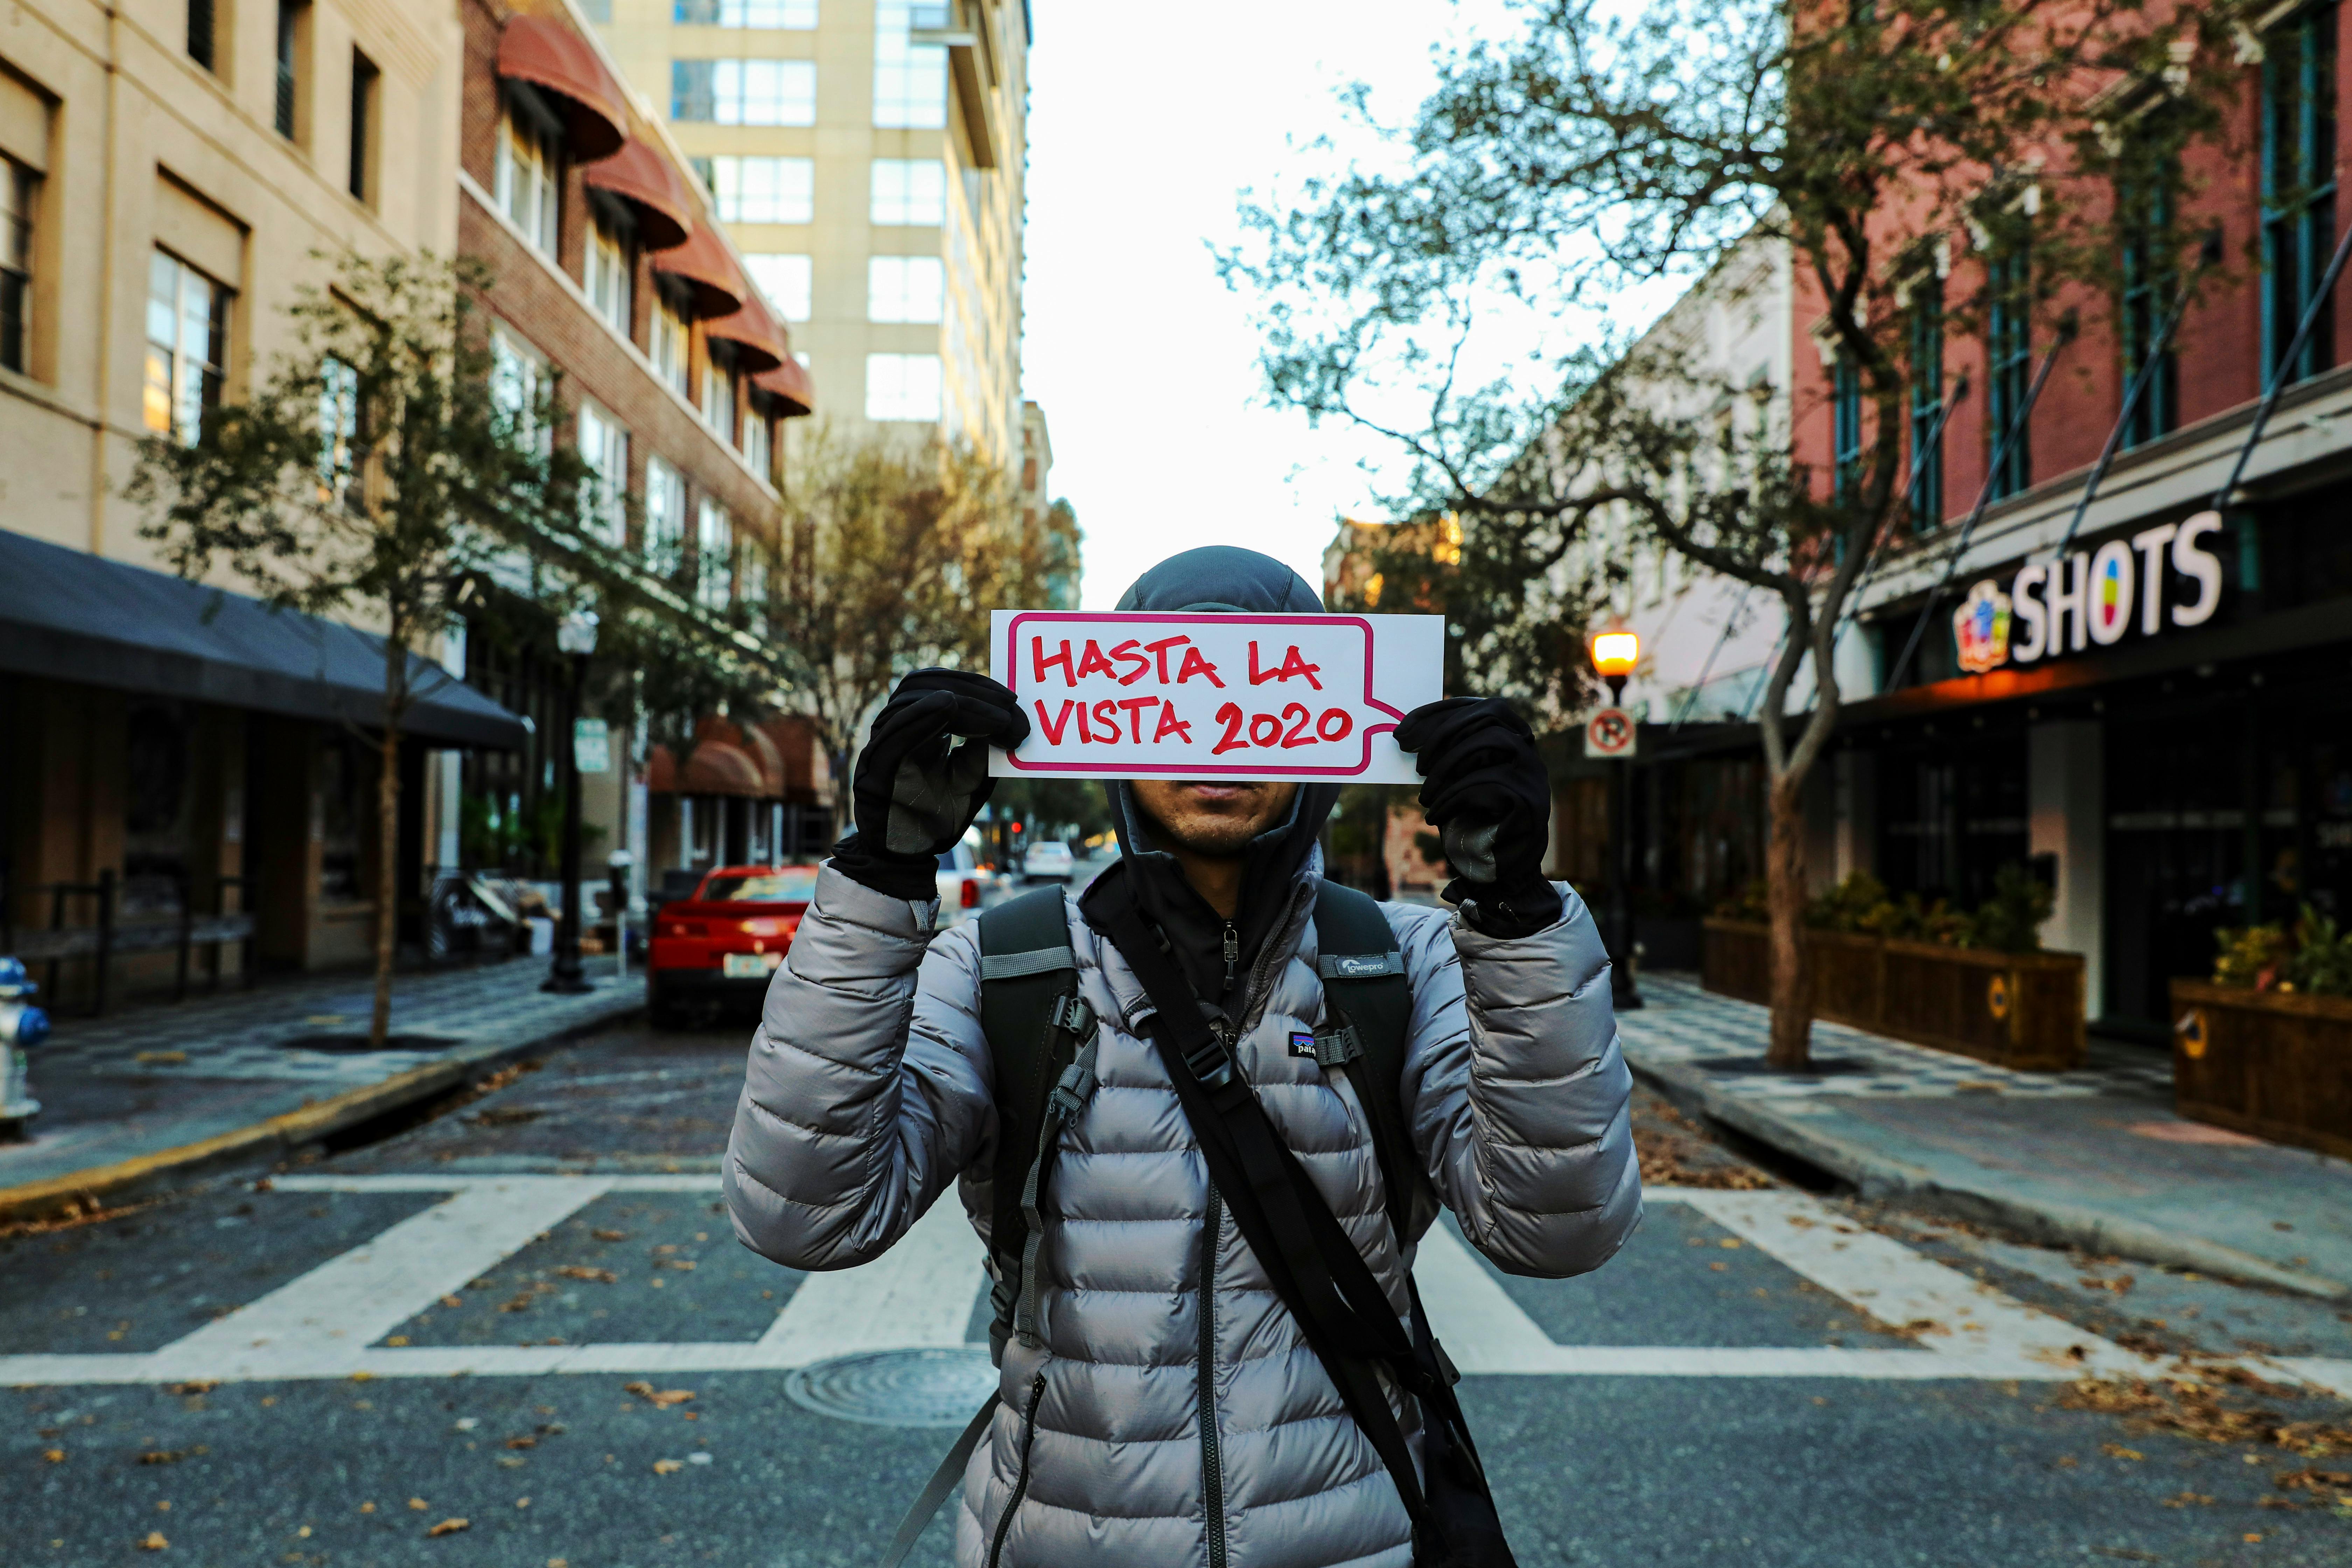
[(172, 172), (867, 157)]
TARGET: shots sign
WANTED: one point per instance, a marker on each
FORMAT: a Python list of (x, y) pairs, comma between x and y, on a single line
[(1193, 695)]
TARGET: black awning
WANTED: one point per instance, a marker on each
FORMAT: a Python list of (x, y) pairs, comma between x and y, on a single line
[(74, 616)]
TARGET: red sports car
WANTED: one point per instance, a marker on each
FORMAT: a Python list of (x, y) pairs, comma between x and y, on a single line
[(720, 945)]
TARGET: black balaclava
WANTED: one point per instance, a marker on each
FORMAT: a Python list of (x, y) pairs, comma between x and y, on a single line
[(1220, 577)]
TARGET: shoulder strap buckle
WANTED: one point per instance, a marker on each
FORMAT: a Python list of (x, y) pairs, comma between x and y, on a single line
[(1072, 1016)]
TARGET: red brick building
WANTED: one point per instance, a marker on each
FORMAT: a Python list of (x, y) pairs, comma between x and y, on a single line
[(612, 275)]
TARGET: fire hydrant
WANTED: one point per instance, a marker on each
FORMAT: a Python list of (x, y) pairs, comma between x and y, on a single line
[(22, 1027)]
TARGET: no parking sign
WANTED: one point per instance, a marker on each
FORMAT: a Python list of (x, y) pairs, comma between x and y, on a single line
[(1608, 733)]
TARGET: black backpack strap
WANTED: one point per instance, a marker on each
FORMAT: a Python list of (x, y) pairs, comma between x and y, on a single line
[(1041, 1041), (1370, 1008)]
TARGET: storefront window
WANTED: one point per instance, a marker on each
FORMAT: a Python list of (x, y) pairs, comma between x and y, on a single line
[(2298, 129), (2009, 343), (1926, 492)]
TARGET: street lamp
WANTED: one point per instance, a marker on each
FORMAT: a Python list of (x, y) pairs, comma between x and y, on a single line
[(1616, 649), (575, 637)]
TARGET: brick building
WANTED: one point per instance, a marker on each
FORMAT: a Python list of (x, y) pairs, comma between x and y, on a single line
[(612, 273)]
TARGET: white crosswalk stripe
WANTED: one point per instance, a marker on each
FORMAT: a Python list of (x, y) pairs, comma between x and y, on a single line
[(921, 1295)]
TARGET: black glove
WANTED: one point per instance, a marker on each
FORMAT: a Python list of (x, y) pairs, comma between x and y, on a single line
[(1486, 790), (916, 790)]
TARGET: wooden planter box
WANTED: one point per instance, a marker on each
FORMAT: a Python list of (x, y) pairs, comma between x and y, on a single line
[(2022, 1010), (2253, 1061)]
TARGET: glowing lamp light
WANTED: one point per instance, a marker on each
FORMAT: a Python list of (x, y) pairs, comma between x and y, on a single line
[(1615, 653)]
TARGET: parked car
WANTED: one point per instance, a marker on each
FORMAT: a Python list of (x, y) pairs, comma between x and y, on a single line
[(720, 945), (1048, 860), (964, 885)]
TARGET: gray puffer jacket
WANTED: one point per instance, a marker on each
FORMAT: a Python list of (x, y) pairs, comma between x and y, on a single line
[(1144, 1432)]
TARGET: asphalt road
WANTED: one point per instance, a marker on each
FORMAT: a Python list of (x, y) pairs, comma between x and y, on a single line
[(451, 1324)]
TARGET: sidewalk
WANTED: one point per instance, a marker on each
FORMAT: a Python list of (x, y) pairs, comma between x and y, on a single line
[(2094, 1159), (160, 1092)]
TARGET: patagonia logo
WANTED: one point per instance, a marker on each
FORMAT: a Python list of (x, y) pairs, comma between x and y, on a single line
[(1302, 1044)]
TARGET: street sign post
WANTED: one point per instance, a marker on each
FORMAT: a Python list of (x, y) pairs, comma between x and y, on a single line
[(1192, 695), (1610, 734)]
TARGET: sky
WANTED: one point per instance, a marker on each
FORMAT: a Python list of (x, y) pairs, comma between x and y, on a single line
[(1145, 122)]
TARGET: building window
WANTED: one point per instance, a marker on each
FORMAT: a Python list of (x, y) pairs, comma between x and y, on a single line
[(2298, 114), (528, 185), (1846, 427), (670, 340), (798, 15), (905, 288), (365, 79), (714, 556), (289, 50), (200, 33), (717, 398), (743, 92), (902, 386), (755, 443), (604, 448), (519, 387), (19, 189), (909, 191), (187, 347), (338, 430), (609, 276), (665, 515), (751, 584), (910, 80), (1926, 493), (2145, 301), (764, 190), (784, 279), (2009, 345)]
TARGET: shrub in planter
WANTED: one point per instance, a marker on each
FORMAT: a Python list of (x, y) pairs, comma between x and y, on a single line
[(2265, 1046)]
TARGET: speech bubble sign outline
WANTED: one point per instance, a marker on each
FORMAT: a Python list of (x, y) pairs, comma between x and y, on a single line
[(1003, 764)]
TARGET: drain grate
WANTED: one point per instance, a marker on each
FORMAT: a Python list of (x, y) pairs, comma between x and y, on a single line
[(897, 1388)]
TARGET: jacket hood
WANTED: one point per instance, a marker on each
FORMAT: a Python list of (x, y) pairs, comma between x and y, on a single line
[(1221, 577)]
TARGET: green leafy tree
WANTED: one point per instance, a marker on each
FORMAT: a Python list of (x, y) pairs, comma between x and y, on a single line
[(379, 472), (1604, 146)]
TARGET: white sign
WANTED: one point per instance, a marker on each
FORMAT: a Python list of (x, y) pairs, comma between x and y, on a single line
[(2093, 598), (591, 746), (1192, 695), (1610, 733)]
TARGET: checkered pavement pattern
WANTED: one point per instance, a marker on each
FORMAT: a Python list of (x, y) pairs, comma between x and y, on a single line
[(246, 1035), (1683, 1024)]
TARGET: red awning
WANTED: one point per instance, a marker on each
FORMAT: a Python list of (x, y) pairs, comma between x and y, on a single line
[(719, 287), (715, 767), (651, 183), (546, 53), (760, 343), (789, 383)]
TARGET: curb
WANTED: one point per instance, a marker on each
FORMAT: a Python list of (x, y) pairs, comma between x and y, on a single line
[(1876, 1176), (265, 1141)]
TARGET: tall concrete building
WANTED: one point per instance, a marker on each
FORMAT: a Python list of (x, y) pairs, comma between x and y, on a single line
[(867, 157)]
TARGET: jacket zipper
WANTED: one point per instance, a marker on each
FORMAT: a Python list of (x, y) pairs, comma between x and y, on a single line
[(1021, 1481), (1233, 952), (1212, 1475)]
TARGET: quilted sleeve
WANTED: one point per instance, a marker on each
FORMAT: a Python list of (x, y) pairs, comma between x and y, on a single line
[(868, 1089), (1516, 1089)]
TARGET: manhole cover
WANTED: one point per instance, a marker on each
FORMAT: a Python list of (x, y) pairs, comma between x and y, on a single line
[(897, 1388), (1820, 1067), (351, 1045)]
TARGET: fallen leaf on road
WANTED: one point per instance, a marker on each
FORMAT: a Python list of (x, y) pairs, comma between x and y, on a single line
[(661, 1399), (610, 1235), (665, 1249), (2327, 1486), (667, 1466), (396, 1340), (161, 1456), (522, 1442), (453, 1301), (154, 1541), (2252, 1535), (367, 1508), (2067, 1461), (558, 1562), (362, 1377), (1729, 1244), (519, 1304), (54, 1456), (575, 1271), (1720, 1267), (185, 1389), (2119, 1284), (2118, 1451), (417, 1503), (161, 1058), (450, 1527), (684, 1265), (2190, 1499), (512, 1464)]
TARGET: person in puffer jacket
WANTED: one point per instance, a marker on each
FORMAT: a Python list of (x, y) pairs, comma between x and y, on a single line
[(1173, 1414)]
